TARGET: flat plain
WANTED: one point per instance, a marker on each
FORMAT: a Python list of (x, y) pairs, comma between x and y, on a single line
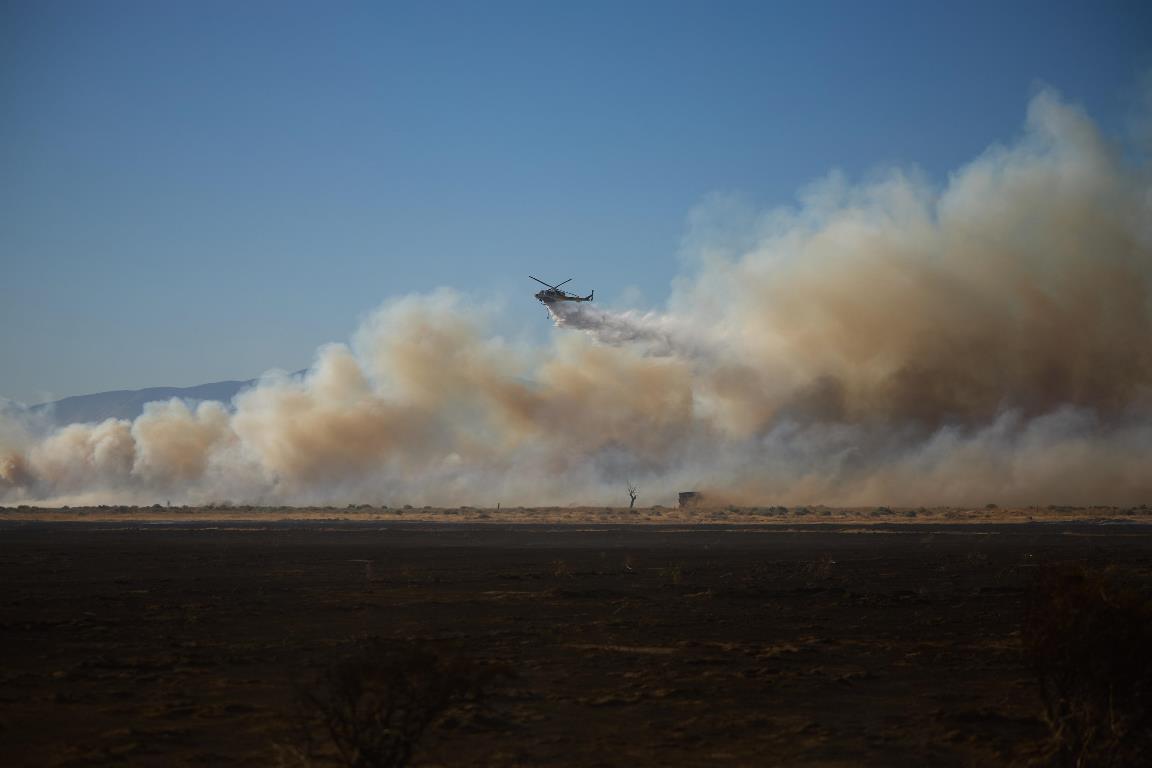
[(163, 637)]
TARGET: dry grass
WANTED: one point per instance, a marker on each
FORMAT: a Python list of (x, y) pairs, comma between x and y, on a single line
[(1088, 635)]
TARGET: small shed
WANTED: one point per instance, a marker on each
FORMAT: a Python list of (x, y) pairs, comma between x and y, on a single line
[(690, 499)]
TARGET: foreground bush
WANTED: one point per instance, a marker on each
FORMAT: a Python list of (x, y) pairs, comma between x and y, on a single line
[(372, 708), (1088, 636)]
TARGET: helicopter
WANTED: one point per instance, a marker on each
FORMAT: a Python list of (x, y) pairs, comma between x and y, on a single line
[(553, 294)]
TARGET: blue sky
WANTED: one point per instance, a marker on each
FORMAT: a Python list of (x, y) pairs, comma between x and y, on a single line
[(193, 191)]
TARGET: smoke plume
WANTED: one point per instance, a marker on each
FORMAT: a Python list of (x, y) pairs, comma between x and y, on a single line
[(657, 334), (891, 342)]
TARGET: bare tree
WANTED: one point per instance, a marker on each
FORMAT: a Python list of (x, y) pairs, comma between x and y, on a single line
[(631, 495)]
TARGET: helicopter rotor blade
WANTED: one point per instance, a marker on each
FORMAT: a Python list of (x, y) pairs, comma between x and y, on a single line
[(544, 283), (557, 287)]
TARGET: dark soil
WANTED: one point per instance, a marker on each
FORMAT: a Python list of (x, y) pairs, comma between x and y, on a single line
[(144, 644)]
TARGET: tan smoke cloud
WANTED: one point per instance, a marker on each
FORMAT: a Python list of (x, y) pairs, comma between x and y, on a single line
[(1025, 284), (885, 343), (174, 443), (80, 456)]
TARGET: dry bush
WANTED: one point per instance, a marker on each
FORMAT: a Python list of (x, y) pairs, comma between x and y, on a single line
[(672, 575), (1088, 636), (811, 571), (372, 708)]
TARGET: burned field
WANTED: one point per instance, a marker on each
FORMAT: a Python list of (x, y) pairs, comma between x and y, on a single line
[(221, 643)]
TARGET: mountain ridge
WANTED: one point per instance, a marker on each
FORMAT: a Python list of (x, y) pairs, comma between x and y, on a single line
[(129, 403)]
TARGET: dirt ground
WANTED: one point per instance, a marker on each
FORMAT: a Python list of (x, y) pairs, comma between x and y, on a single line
[(891, 642)]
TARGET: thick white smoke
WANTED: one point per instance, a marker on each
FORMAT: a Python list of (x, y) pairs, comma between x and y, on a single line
[(885, 343), (657, 334)]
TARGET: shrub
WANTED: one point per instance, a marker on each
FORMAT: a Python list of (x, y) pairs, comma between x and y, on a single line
[(372, 708), (821, 568), (672, 575), (1088, 636)]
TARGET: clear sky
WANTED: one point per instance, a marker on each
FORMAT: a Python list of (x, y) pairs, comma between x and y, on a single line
[(194, 191)]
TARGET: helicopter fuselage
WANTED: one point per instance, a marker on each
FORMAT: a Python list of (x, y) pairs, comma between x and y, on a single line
[(551, 296), (553, 293)]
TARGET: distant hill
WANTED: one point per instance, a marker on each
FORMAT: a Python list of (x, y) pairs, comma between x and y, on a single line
[(129, 403)]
